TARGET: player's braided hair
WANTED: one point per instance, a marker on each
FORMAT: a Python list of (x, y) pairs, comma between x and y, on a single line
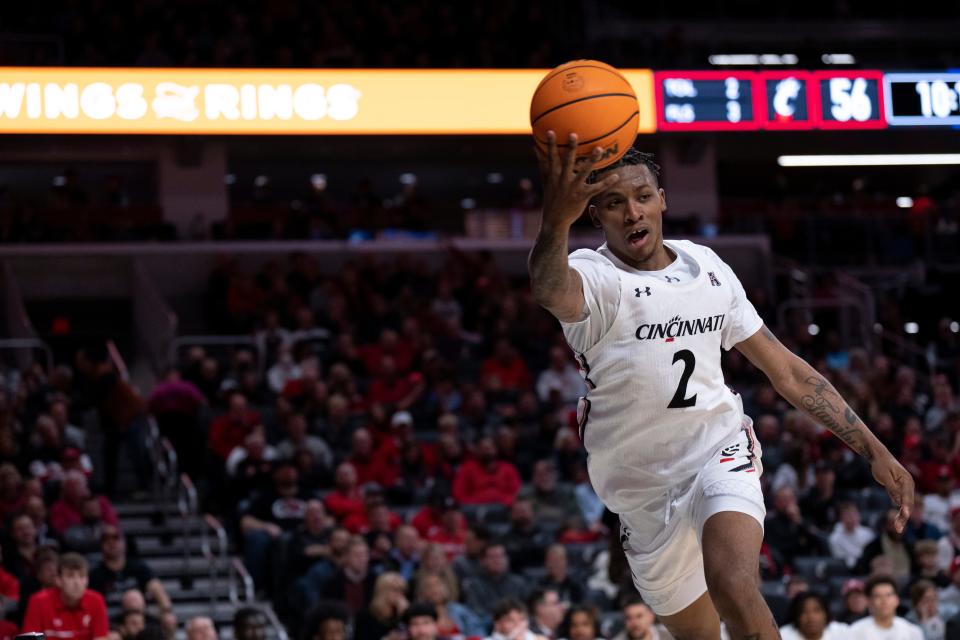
[(631, 158)]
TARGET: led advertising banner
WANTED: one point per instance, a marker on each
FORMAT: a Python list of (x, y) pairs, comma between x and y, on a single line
[(278, 101)]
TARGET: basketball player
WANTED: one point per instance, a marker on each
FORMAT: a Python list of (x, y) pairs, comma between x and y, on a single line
[(670, 449)]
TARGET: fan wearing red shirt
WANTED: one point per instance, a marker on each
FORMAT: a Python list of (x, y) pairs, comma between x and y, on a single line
[(505, 370), (375, 517), (228, 431), (392, 388), (484, 479), (67, 511), (70, 611), (345, 499)]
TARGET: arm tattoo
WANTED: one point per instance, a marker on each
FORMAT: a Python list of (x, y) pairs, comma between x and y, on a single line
[(821, 401), (548, 265)]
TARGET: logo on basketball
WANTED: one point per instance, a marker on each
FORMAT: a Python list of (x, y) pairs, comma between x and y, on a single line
[(572, 82)]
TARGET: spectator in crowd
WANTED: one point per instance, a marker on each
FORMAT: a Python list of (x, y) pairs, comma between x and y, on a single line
[(561, 382), (950, 596), (176, 404), (285, 367), (345, 499), (84, 536), (810, 620), (786, 529), (298, 438), (375, 518), (394, 389), (131, 624), (510, 621), (434, 561), (526, 538), (639, 621), (21, 555), (387, 605), (249, 467), (327, 621), (819, 504), (557, 578), (505, 370), (590, 504), (13, 490), (580, 623), (918, 528), (883, 621), (855, 601), (69, 611), (926, 609), (133, 601), (368, 464), (550, 500), (229, 430), (281, 508), (421, 622), (9, 590), (493, 582), (404, 557), (249, 623), (849, 537), (484, 479), (117, 573), (37, 510), (310, 542), (441, 522), (546, 612), (475, 542), (201, 628), (890, 544), (940, 505), (926, 563), (68, 510), (120, 409), (453, 618), (44, 575), (352, 583)]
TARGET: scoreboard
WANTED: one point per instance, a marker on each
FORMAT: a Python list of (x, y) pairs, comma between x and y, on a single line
[(706, 100), (922, 98), (724, 101)]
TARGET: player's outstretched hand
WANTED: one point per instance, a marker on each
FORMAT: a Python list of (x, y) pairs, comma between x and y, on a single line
[(566, 192), (899, 484)]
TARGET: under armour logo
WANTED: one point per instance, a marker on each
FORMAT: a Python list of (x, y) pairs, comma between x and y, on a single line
[(713, 279), (671, 279), (645, 290)]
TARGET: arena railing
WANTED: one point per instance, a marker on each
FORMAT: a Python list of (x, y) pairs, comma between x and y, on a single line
[(154, 320), (189, 506), (22, 336), (217, 559), (182, 342)]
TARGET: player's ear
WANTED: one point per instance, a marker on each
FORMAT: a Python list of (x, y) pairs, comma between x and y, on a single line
[(592, 212), (663, 198)]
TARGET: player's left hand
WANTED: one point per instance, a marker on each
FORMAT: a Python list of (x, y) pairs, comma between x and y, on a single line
[(899, 484)]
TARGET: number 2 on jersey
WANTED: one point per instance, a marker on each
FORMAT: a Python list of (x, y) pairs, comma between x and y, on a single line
[(689, 362)]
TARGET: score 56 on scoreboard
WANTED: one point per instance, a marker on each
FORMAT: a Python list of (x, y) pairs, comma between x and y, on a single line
[(746, 100)]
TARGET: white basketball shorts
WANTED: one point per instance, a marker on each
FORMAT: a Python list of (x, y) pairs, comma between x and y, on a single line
[(662, 542)]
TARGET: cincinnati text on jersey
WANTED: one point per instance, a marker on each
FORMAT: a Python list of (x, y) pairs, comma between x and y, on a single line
[(677, 327)]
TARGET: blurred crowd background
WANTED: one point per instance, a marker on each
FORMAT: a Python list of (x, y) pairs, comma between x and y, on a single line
[(393, 441)]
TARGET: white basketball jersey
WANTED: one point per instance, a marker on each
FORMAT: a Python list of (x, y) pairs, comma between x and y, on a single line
[(649, 348)]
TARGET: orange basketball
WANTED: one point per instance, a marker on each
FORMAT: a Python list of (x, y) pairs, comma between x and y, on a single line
[(591, 99)]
